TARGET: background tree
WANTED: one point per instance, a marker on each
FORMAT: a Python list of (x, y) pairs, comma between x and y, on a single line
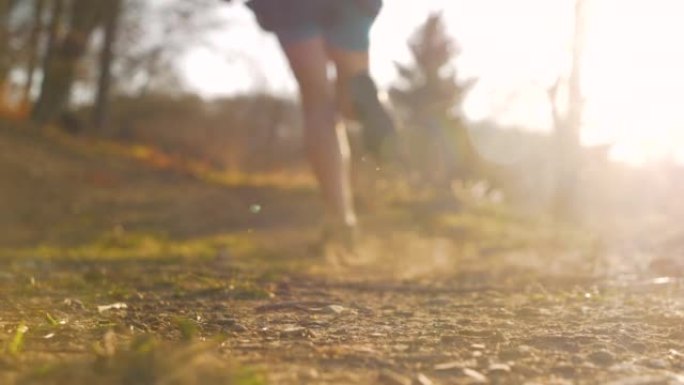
[(6, 7), (61, 64), (111, 25), (146, 63), (34, 47), (430, 95), (568, 125), (135, 52), (53, 32)]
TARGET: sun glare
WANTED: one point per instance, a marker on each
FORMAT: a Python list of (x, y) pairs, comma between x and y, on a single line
[(632, 79)]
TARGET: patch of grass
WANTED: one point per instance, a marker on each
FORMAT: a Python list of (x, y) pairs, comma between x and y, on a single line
[(505, 230), (146, 361), (248, 291), (16, 344), (187, 327), (159, 159), (51, 320), (124, 245), (240, 289)]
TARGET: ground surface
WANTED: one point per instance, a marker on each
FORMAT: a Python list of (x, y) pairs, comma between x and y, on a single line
[(113, 271)]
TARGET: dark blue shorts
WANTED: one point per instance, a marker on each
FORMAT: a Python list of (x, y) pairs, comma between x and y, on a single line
[(343, 24)]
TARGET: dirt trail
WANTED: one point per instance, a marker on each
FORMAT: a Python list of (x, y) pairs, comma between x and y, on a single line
[(474, 296)]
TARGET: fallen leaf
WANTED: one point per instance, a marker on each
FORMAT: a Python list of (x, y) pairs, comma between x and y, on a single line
[(114, 306), (389, 377), (422, 379), (476, 376)]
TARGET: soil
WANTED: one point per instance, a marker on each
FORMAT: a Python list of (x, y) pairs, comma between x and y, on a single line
[(101, 252)]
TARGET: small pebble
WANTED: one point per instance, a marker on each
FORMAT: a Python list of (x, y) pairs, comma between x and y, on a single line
[(499, 369), (334, 309), (422, 379), (602, 357), (388, 377), (475, 376)]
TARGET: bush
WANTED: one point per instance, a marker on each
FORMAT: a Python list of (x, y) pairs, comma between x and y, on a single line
[(245, 133)]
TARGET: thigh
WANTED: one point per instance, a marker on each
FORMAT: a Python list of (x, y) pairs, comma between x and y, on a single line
[(309, 63), (348, 64), (349, 22)]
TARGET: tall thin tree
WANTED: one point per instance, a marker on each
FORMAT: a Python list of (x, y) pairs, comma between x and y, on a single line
[(106, 59), (60, 67), (34, 48), (56, 16), (6, 7), (568, 129)]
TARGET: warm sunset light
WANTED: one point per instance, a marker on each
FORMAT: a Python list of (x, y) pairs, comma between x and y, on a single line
[(336, 192), (632, 74)]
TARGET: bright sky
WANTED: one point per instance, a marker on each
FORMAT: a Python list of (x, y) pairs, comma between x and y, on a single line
[(633, 70)]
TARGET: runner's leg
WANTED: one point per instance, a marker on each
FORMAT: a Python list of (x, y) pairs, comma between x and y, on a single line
[(348, 43), (348, 64), (325, 141)]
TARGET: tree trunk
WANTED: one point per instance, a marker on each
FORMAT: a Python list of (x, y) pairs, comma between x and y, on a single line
[(106, 57), (60, 67), (6, 7), (34, 47), (568, 130), (56, 16)]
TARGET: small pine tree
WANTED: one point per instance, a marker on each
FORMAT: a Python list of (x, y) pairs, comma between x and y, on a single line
[(429, 97)]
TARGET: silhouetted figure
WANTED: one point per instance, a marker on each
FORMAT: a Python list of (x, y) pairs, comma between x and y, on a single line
[(314, 33)]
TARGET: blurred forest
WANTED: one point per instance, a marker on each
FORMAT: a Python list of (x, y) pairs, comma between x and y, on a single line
[(100, 69), (150, 236)]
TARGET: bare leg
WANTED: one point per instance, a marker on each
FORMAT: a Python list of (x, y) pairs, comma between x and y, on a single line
[(325, 140), (348, 64), (358, 99)]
